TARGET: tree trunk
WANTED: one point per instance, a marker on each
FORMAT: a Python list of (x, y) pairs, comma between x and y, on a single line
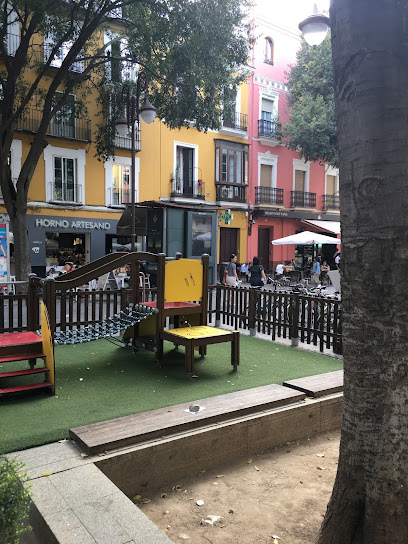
[(21, 249), (370, 59)]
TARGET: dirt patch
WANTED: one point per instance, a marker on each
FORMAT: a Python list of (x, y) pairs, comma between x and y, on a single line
[(282, 492)]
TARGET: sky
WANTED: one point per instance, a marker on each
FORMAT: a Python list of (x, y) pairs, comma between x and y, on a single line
[(290, 12)]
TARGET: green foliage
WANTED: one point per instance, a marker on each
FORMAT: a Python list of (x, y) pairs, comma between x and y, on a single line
[(14, 501), (311, 129)]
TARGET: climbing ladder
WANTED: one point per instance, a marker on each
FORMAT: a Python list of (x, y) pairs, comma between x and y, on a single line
[(27, 346)]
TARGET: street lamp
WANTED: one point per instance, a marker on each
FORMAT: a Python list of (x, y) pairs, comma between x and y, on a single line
[(315, 27), (124, 125)]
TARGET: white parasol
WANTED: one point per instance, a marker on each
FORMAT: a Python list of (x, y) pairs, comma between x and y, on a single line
[(306, 238)]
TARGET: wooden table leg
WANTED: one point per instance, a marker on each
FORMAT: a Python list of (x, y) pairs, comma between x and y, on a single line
[(235, 351), (189, 359)]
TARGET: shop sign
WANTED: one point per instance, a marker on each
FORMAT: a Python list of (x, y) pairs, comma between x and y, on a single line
[(72, 224)]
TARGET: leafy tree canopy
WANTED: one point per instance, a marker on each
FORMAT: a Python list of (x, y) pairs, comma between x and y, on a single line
[(51, 50), (311, 129)]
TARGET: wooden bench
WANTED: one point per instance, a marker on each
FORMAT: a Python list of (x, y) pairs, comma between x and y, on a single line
[(134, 429), (319, 385), (202, 336)]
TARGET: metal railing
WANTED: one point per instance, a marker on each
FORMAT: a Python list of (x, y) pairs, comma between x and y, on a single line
[(302, 200), (188, 188), (125, 142), (236, 120), (70, 128), (119, 197), (59, 57), (233, 193), (268, 195), (267, 129), (65, 193), (331, 202)]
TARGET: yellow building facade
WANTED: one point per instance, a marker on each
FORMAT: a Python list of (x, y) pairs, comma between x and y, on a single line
[(191, 187)]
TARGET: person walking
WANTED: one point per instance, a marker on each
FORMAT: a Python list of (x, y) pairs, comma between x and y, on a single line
[(232, 277), (316, 271), (258, 278)]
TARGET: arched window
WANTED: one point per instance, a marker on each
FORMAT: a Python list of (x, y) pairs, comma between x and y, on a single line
[(269, 50)]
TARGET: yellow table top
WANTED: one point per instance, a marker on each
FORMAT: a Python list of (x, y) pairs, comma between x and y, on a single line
[(201, 331)]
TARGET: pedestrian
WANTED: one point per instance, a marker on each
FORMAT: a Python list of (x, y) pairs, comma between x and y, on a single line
[(258, 278), (337, 261), (316, 271), (232, 277)]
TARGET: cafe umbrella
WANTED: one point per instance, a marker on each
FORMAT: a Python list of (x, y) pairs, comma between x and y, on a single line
[(306, 238)]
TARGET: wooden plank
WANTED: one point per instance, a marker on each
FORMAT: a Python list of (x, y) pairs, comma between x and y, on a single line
[(137, 428), (21, 388), (319, 385)]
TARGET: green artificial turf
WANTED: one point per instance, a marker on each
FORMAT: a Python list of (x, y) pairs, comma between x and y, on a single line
[(99, 381)]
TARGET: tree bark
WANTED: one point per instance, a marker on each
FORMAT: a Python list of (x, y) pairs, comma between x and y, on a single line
[(369, 503)]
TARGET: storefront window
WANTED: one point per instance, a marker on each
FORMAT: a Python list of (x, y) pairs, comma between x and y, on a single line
[(64, 247), (201, 227)]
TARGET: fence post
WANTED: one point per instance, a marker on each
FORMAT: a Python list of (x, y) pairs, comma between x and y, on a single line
[(217, 306), (50, 302), (294, 314), (253, 293), (33, 317)]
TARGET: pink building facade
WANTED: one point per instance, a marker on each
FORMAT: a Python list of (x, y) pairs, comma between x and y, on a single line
[(285, 194)]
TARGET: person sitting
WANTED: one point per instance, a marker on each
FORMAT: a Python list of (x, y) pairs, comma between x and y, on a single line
[(244, 270), (279, 270), (67, 267), (257, 272)]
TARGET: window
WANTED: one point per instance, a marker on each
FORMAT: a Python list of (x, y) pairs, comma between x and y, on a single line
[(118, 181), (231, 163), (59, 56), (118, 70), (63, 123), (12, 39), (300, 180), (120, 185), (269, 50), (268, 116), (64, 179), (64, 174), (185, 174), (301, 171)]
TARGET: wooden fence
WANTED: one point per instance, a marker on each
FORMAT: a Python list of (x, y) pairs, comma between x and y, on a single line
[(300, 318)]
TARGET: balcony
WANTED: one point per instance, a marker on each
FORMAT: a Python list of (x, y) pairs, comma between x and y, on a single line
[(59, 57), (65, 194), (300, 199), (230, 193), (187, 188), (69, 128), (268, 195), (11, 43), (236, 121), (125, 142), (268, 132), (119, 196), (331, 202)]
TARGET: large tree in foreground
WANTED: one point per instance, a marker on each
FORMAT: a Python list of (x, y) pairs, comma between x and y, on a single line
[(311, 129), (51, 49), (369, 503)]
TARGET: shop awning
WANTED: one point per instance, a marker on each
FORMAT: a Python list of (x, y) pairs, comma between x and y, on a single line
[(328, 226)]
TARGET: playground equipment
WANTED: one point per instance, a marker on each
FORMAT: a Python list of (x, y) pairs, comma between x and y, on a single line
[(182, 298), (29, 346)]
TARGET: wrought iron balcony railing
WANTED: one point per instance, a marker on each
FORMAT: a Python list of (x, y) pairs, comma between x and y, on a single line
[(268, 195), (46, 49), (70, 128), (125, 142), (233, 193), (331, 202), (267, 129), (65, 193), (188, 188), (300, 199), (119, 197), (237, 120)]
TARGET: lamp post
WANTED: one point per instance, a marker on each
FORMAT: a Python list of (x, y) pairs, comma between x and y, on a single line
[(315, 27), (129, 124)]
